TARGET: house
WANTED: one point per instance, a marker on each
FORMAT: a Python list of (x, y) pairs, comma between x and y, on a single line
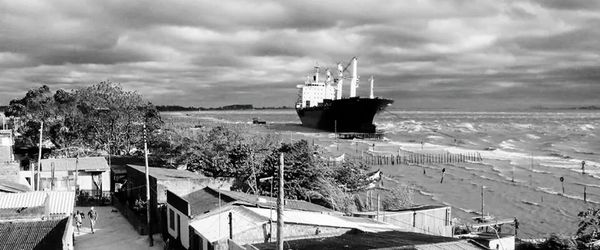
[(11, 179), (356, 239), (133, 191), (36, 220), (88, 175), (427, 219), (207, 218)]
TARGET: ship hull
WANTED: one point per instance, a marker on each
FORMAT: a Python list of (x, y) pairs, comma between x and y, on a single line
[(344, 115)]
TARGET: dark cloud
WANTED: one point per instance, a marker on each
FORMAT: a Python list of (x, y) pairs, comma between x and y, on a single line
[(422, 53)]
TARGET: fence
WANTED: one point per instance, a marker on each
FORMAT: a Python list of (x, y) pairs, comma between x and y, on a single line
[(414, 158), (134, 219)]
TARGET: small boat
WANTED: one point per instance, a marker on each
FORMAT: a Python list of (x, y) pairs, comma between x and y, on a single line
[(255, 120)]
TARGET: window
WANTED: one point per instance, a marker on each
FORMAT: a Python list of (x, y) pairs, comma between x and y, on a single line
[(171, 219)]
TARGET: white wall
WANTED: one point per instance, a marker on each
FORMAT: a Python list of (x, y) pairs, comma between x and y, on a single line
[(84, 179), (184, 226), (505, 243)]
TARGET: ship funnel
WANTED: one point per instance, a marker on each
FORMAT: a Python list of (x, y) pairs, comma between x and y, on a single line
[(354, 81)]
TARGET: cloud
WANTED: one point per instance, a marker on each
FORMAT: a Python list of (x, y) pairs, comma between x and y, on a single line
[(422, 53)]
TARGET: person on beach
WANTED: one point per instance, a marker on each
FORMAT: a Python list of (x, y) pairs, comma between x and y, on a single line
[(93, 217), (78, 216)]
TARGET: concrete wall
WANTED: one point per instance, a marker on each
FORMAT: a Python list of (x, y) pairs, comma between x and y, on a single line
[(435, 221), (84, 179), (9, 171)]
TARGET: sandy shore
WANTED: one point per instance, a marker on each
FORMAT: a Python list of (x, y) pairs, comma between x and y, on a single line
[(512, 188)]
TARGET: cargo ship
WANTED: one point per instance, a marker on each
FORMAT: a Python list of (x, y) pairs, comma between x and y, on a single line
[(321, 104)]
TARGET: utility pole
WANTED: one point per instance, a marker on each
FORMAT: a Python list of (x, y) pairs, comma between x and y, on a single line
[(147, 188), (40, 157), (76, 174), (280, 207), (231, 225), (52, 177)]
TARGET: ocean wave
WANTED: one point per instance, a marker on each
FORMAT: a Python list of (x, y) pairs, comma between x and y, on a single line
[(530, 203)]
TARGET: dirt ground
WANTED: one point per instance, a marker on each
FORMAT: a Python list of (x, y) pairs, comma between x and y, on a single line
[(112, 231)]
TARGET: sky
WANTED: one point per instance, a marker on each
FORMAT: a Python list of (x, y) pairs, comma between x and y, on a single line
[(424, 54)]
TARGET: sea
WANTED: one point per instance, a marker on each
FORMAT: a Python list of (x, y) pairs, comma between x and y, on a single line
[(531, 168)]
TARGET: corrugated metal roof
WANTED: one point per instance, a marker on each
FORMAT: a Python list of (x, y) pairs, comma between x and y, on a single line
[(18, 200), (381, 240), (70, 164), (456, 245), (319, 219), (46, 234), (59, 202)]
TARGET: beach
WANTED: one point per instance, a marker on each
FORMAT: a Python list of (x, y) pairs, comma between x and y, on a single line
[(520, 158)]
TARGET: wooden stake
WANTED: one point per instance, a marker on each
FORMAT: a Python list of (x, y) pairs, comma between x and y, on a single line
[(482, 187)]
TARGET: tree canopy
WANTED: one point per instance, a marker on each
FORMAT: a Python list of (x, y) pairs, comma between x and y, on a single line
[(93, 118)]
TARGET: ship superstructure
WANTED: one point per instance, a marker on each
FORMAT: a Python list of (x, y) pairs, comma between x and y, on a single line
[(321, 103)]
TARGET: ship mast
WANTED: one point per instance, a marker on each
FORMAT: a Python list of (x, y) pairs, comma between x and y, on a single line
[(371, 93), (340, 81)]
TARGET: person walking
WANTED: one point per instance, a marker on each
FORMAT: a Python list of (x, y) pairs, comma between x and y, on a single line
[(78, 220), (93, 217)]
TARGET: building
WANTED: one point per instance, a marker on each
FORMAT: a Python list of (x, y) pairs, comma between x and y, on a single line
[(429, 219), (87, 175), (207, 218), (11, 179), (36, 220), (133, 191)]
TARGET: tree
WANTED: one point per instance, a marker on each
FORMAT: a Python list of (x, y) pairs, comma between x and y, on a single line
[(89, 118), (304, 168), (113, 117), (589, 225)]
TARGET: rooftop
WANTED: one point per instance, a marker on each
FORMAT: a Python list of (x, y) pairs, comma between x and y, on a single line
[(266, 201), (247, 218), (43, 234), (56, 202), (70, 164), (207, 199), (413, 208), (13, 187), (361, 240), (167, 173)]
